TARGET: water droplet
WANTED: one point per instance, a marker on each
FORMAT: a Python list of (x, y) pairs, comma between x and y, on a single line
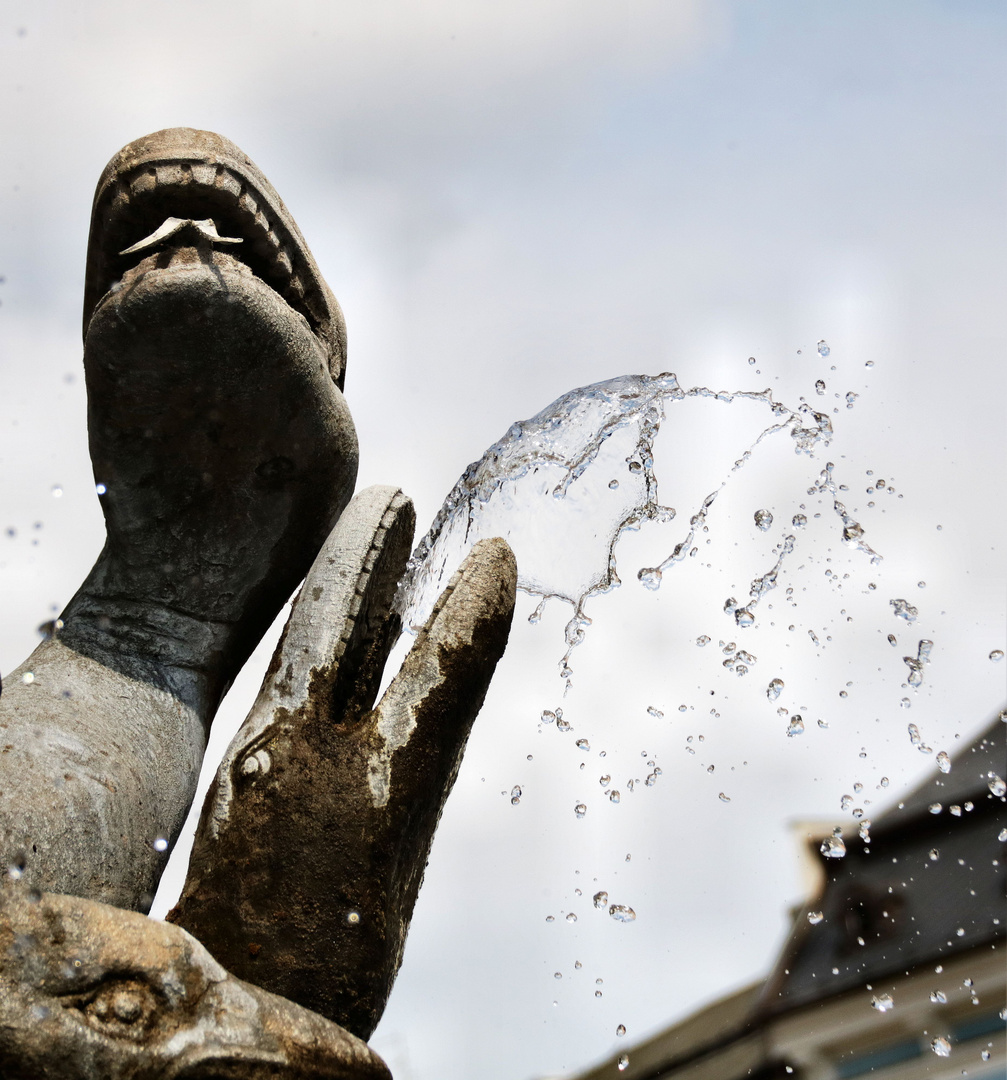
[(996, 784), (921, 584), (846, 802), (944, 762), (614, 795), (28, 678), (561, 724), (815, 917), (796, 725), (905, 703), (650, 577), (571, 918), (764, 520), (620, 1030), (583, 744), (833, 847), (997, 655), (1002, 836), (515, 795), (915, 676), (935, 808), (724, 798), (820, 387), (160, 844), (57, 491), (558, 975), (744, 617), (940, 1046), (623, 1061), (799, 521), (548, 716), (100, 489), (702, 640), (882, 1002), (774, 689), (823, 349), (621, 913), (850, 399), (904, 610), (914, 735), (730, 605), (934, 855), (50, 629), (885, 781), (938, 997), (956, 810)]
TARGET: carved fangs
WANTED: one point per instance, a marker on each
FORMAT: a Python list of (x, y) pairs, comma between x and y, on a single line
[(172, 225)]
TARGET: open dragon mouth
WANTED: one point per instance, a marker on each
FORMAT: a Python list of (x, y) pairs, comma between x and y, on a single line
[(181, 180)]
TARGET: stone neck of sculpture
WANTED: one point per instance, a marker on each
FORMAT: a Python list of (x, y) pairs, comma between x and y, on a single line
[(223, 454)]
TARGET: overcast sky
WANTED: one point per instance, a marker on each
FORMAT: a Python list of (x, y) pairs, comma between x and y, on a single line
[(512, 200)]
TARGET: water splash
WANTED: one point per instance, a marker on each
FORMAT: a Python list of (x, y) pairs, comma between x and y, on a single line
[(904, 610), (550, 477), (853, 531), (916, 663)]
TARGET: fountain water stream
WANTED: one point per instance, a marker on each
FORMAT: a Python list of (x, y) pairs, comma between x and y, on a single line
[(585, 465)]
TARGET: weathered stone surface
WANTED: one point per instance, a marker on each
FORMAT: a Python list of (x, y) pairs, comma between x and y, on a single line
[(90, 992), (225, 453), (314, 836)]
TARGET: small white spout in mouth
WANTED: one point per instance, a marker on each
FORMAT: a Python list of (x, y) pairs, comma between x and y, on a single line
[(172, 225)]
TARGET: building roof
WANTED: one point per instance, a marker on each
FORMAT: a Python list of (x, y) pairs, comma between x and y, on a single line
[(929, 882)]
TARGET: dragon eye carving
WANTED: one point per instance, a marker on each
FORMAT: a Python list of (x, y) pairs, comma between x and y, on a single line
[(123, 1008)]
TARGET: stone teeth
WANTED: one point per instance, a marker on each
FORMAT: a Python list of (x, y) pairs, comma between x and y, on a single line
[(228, 182), (313, 302), (204, 175), (248, 205), (120, 199), (172, 174), (260, 235), (142, 183)]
